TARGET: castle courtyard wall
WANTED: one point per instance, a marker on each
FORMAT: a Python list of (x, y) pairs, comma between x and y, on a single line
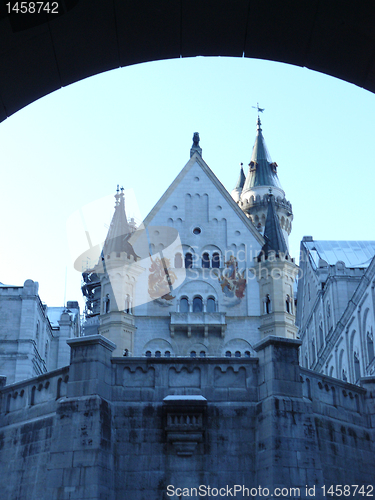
[(119, 428)]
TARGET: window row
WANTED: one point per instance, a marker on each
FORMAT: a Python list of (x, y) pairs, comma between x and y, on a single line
[(194, 354), (197, 304), (128, 307), (207, 261), (268, 304)]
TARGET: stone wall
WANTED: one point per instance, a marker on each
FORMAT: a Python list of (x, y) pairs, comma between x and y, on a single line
[(119, 428)]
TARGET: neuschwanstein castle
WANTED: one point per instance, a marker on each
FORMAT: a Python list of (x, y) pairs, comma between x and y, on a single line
[(198, 357)]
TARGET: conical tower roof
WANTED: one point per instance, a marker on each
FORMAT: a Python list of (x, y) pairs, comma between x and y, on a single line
[(241, 180), (262, 171), (273, 234), (119, 231)]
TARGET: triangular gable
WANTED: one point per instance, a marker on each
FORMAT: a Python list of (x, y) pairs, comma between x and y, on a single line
[(196, 158)]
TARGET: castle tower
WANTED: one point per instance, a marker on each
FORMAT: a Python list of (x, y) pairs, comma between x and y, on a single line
[(276, 272), (118, 273), (261, 178), (236, 193)]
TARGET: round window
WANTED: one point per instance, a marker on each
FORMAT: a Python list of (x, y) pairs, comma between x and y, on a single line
[(197, 230)]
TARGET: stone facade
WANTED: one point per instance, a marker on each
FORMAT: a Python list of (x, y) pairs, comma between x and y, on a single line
[(336, 310), (114, 428), (32, 336)]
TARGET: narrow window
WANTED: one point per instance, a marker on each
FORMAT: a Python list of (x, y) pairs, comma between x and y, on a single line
[(357, 369), (321, 339), (216, 260), (205, 260), (107, 303), (188, 260), (178, 260), (267, 304), (211, 306), (370, 347), (127, 304), (197, 304), (184, 305), (287, 304)]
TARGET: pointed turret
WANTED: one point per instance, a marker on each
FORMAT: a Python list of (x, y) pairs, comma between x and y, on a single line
[(273, 235), (262, 171), (236, 193), (262, 176), (276, 273), (119, 231), (118, 272)]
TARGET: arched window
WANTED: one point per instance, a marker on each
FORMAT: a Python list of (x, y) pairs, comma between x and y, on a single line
[(370, 347), (357, 369), (321, 339), (127, 304), (167, 354), (157, 354), (313, 352), (205, 260), (148, 354), (33, 390), (193, 354), (216, 260), (287, 304), (267, 304), (211, 306), (188, 260), (107, 304), (178, 260), (228, 354), (184, 305), (197, 304), (237, 354), (202, 354), (247, 354)]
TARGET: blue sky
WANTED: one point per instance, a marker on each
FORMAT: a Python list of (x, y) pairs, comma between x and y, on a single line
[(134, 126)]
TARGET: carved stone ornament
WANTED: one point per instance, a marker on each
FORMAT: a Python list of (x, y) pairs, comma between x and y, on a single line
[(184, 422)]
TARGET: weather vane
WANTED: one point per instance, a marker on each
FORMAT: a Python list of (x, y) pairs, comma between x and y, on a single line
[(260, 110)]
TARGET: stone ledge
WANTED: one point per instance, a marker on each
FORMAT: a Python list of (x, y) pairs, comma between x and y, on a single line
[(91, 340), (279, 341)]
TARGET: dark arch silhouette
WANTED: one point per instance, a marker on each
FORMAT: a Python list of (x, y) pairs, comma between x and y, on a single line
[(40, 53)]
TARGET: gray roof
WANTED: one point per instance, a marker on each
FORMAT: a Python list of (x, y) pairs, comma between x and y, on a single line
[(119, 231), (54, 314), (241, 179), (262, 171), (352, 253), (273, 233)]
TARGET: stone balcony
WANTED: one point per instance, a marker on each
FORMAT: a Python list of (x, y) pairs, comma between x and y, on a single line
[(206, 322)]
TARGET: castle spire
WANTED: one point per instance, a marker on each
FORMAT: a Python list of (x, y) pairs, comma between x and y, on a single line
[(262, 171), (119, 230), (273, 234), (236, 193)]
